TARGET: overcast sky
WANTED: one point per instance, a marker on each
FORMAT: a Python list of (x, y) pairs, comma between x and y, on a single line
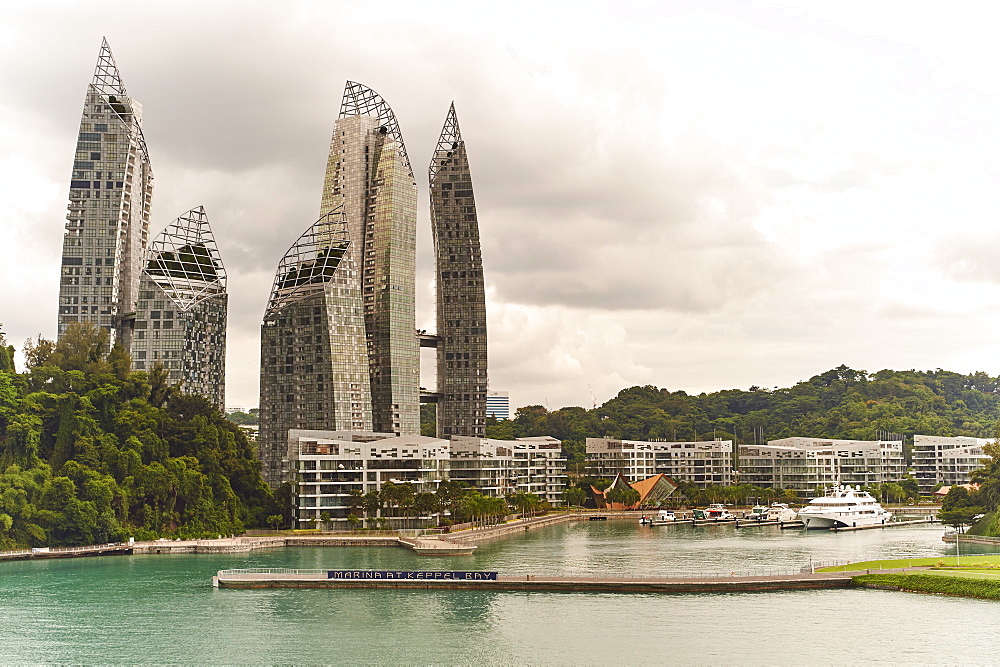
[(691, 195)]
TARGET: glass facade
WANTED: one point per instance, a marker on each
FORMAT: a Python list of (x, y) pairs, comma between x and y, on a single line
[(369, 175), (461, 295), (314, 371), (181, 313), (107, 224)]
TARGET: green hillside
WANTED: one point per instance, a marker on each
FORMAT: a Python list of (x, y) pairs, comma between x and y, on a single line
[(91, 452), (840, 403)]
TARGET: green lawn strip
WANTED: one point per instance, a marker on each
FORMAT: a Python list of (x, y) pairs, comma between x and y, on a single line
[(944, 584), (952, 561), (971, 573)]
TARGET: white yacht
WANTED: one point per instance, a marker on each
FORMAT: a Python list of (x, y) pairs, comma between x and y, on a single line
[(718, 512), (843, 506), (663, 518), (780, 512)]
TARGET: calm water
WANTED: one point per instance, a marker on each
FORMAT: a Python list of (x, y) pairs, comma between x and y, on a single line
[(140, 609)]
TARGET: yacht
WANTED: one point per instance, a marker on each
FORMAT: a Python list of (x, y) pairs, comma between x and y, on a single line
[(718, 512), (843, 507), (663, 518), (757, 513), (781, 512)]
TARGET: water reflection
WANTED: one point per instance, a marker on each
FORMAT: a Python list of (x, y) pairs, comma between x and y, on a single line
[(142, 609)]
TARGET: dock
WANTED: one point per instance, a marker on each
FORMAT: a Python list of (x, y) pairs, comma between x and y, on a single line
[(884, 525), (115, 548), (331, 579)]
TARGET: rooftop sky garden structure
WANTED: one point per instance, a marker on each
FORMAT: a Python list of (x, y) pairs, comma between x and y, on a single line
[(181, 312)]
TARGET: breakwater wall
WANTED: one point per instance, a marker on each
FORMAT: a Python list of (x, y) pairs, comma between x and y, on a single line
[(244, 544), (514, 527), (545, 583), (972, 539)]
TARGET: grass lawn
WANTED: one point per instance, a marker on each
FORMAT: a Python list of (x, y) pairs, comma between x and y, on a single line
[(950, 561), (983, 585), (965, 574)]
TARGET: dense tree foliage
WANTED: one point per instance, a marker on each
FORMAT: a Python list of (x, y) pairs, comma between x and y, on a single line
[(248, 418), (91, 451), (840, 403)]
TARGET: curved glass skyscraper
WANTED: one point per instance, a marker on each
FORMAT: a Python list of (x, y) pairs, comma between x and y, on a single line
[(108, 220), (181, 312), (368, 173), (461, 295), (314, 371)]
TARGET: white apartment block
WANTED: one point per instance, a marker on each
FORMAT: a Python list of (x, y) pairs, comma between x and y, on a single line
[(484, 464), (939, 459), (706, 463), (806, 465), (539, 468), (331, 464)]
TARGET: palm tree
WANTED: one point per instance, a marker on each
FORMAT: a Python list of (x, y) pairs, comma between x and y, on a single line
[(472, 505), (354, 501), (630, 497), (405, 498), (574, 495), (524, 502), (372, 503), (426, 504)]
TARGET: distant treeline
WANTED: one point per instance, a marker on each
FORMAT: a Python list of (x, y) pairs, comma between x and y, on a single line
[(840, 403)]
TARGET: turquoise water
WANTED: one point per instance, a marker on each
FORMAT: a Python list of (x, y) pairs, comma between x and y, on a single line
[(141, 609)]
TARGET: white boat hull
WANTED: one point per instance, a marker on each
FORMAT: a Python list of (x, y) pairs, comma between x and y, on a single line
[(819, 521)]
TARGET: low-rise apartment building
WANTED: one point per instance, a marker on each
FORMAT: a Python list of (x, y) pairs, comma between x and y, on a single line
[(807, 465), (540, 468), (945, 460), (705, 463), (329, 465), (484, 464)]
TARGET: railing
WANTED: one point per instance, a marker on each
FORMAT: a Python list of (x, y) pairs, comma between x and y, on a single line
[(271, 570), (534, 576), (58, 550), (360, 533)]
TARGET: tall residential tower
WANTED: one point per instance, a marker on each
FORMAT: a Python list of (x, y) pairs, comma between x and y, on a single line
[(368, 173), (461, 295), (314, 371), (181, 313), (108, 220)]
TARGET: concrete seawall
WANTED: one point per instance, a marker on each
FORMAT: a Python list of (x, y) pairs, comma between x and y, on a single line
[(544, 583), (521, 526), (244, 544)]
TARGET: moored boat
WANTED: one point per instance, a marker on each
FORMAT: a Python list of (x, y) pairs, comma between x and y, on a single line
[(718, 512), (663, 518), (843, 507), (781, 512)]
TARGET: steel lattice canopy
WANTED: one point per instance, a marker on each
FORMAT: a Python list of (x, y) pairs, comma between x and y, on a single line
[(185, 262), (311, 262)]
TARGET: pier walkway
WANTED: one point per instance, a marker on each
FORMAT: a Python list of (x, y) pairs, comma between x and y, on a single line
[(67, 552), (279, 578)]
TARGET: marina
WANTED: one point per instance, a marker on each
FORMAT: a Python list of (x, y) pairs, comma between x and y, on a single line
[(131, 607)]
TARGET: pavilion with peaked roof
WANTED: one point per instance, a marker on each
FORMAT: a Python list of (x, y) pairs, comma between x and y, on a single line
[(653, 491)]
